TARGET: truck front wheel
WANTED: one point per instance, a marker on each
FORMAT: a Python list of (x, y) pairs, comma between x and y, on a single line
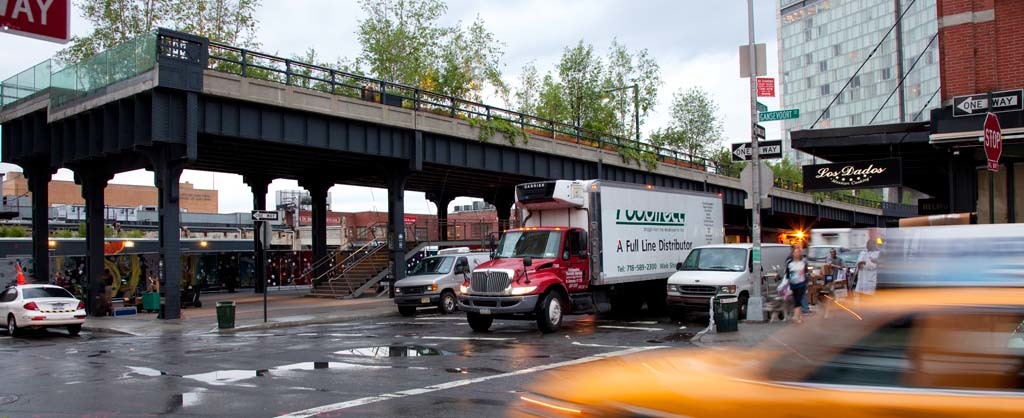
[(549, 315), (479, 323)]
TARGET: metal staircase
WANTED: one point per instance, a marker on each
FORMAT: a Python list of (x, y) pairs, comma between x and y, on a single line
[(358, 267)]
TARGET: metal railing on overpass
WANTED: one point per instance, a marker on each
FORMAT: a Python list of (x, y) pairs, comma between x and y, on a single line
[(138, 55)]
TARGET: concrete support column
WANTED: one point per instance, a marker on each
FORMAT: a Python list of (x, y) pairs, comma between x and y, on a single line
[(94, 181), (168, 174), (502, 202), (259, 185), (318, 192), (39, 175), (442, 201), (396, 180)]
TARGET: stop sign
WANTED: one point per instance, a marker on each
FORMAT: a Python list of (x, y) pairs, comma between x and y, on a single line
[(993, 141)]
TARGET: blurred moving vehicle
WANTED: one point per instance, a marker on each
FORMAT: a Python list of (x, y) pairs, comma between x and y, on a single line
[(41, 306), (938, 352), (945, 338), (434, 281)]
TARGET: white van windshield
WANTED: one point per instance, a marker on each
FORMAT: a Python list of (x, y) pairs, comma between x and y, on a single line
[(717, 259), (433, 265)]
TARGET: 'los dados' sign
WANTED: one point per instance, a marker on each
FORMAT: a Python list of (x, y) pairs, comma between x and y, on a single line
[(852, 175)]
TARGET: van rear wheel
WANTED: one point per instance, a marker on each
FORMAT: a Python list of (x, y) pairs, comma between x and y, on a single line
[(742, 308)]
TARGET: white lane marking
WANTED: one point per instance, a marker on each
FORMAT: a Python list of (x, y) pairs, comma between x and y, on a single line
[(577, 343), (643, 322), (454, 384), (438, 318), (632, 328), (466, 338)]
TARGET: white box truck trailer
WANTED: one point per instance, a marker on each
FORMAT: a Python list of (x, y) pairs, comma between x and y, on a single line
[(589, 246)]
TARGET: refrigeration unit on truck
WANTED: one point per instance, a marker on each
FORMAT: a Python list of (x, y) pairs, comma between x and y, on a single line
[(587, 247)]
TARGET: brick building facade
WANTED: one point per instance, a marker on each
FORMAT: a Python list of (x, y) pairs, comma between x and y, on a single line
[(981, 52), (117, 195)]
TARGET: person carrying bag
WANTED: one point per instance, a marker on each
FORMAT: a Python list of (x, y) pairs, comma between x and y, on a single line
[(796, 273)]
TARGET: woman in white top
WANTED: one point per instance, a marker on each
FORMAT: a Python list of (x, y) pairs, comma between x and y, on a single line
[(867, 269), (796, 272)]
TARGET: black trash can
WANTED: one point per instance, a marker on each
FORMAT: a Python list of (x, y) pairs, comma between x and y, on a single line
[(727, 314), (226, 314)]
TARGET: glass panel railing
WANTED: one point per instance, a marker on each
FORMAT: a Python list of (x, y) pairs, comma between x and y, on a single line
[(116, 64), (25, 83)]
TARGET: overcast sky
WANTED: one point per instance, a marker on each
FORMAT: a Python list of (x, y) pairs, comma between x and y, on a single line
[(695, 43)]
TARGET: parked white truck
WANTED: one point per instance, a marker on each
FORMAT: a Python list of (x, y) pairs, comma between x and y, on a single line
[(589, 246)]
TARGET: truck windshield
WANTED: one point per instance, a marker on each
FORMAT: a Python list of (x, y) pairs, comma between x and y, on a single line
[(537, 244), (717, 259), (433, 265)]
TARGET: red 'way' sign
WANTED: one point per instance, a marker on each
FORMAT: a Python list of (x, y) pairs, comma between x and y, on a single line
[(765, 87), (49, 20), (993, 141)]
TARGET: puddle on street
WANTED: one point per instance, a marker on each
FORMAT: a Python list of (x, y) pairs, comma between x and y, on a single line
[(389, 351)]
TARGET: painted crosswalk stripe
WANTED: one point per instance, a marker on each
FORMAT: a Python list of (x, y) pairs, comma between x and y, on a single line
[(312, 412), (630, 328)]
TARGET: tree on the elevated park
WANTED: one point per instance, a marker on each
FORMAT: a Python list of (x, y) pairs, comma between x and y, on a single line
[(117, 21), (581, 72), (694, 126), (722, 157), (404, 42), (787, 170), (625, 68)]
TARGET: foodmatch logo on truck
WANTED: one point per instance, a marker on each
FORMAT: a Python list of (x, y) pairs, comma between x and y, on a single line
[(649, 217)]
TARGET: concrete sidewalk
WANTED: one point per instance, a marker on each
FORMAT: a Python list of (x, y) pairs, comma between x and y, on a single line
[(285, 308)]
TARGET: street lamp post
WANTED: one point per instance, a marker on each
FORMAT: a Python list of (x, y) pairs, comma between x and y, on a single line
[(636, 107)]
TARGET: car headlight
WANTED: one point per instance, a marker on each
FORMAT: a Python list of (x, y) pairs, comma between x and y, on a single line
[(519, 291), (673, 288), (463, 289), (727, 289), (398, 290), (433, 287)]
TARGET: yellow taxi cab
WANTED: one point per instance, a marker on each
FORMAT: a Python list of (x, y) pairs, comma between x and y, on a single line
[(943, 338), (906, 353)]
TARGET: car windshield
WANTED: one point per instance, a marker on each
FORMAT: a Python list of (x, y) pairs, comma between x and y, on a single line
[(538, 244), (849, 258), (433, 265), (819, 253), (45, 292), (717, 259)]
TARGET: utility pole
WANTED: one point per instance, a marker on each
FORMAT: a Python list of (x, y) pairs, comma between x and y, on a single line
[(755, 311)]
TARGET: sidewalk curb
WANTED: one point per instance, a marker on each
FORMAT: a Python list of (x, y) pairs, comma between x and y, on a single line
[(108, 331), (315, 321)]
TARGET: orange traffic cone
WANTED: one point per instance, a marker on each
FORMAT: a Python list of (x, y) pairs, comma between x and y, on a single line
[(21, 274)]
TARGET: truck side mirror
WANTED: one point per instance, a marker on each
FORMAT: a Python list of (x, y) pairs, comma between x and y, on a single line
[(679, 266), (527, 261)]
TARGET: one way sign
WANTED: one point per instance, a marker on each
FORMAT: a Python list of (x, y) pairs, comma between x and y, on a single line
[(977, 104), (767, 149)]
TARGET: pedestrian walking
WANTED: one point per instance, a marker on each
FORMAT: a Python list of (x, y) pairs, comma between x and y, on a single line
[(796, 273), (867, 269)]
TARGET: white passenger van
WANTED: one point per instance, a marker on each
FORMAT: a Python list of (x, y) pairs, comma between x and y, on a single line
[(723, 269)]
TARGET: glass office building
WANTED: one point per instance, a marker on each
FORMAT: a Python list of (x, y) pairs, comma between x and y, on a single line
[(822, 43)]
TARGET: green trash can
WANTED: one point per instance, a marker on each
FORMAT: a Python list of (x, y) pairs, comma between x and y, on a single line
[(151, 301), (727, 314), (225, 314)]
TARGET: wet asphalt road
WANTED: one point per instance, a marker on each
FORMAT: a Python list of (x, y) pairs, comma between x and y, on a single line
[(427, 366)]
